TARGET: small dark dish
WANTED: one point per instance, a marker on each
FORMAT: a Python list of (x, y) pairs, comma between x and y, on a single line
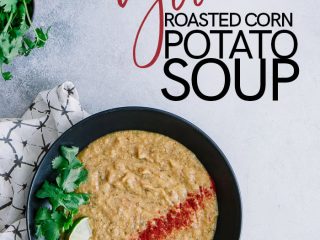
[(139, 118)]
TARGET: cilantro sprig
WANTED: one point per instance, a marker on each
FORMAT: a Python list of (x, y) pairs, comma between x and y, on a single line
[(54, 221), (49, 222), (15, 40)]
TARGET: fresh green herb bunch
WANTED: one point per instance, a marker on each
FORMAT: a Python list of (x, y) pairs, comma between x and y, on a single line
[(15, 22), (51, 223)]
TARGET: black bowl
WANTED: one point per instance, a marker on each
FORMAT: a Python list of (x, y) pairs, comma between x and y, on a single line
[(139, 118)]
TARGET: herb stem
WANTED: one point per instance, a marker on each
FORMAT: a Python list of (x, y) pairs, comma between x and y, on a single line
[(27, 13), (8, 23), (30, 22)]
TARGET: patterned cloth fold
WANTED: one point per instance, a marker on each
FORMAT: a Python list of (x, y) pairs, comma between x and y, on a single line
[(23, 143)]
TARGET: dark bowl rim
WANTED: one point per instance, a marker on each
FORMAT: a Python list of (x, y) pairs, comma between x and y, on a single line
[(148, 109)]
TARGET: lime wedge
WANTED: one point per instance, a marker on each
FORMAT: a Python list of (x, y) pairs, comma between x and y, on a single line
[(81, 230)]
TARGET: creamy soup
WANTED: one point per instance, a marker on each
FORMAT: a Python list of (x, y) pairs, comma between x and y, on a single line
[(147, 186)]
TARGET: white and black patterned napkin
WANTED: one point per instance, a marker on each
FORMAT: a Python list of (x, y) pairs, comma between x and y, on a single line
[(23, 143)]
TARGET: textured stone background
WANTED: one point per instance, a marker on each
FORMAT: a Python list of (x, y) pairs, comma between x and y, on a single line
[(274, 147)]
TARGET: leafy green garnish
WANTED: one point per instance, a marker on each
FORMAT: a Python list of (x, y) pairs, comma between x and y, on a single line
[(69, 153), (50, 223), (71, 171), (70, 179), (58, 198), (8, 5), (15, 22)]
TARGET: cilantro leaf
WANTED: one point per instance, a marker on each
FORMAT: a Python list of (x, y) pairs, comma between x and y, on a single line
[(82, 177), (69, 152), (70, 179), (38, 232), (50, 230), (71, 171), (42, 214), (28, 45), (58, 217), (72, 201), (15, 40), (41, 37), (68, 222), (6, 76), (8, 5), (59, 163), (48, 223), (58, 198), (52, 223)]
